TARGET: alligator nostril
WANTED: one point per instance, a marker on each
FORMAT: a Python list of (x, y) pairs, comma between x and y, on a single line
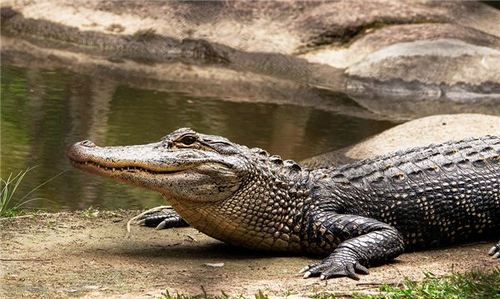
[(87, 143)]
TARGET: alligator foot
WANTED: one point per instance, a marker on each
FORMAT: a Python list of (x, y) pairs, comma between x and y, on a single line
[(495, 251), (367, 242), (334, 267), (161, 217)]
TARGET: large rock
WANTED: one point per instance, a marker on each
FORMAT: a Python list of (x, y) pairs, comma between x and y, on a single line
[(279, 27), (415, 70), (419, 132), (395, 58)]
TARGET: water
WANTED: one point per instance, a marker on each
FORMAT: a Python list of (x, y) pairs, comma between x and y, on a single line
[(43, 111)]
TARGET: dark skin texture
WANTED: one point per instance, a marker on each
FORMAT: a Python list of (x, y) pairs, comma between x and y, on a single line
[(358, 215)]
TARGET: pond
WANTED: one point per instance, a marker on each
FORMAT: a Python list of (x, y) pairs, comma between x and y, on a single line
[(43, 111)]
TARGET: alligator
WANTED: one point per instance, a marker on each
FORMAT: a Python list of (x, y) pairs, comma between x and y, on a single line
[(356, 216)]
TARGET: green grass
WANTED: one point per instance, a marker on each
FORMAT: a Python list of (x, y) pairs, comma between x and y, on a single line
[(204, 295), (472, 285), (11, 202)]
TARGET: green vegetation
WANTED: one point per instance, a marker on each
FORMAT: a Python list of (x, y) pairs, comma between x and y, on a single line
[(472, 285), (9, 206), (480, 285), (10, 200)]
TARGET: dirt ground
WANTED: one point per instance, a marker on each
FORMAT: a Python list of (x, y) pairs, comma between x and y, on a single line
[(87, 254)]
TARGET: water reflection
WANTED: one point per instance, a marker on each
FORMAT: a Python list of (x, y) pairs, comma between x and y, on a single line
[(43, 111)]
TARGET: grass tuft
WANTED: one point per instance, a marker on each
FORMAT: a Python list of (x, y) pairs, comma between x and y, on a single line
[(324, 295), (11, 202)]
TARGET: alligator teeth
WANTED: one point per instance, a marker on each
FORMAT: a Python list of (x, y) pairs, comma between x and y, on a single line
[(124, 168)]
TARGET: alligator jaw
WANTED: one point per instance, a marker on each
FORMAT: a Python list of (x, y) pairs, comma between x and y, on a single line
[(139, 164), (96, 167), (181, 174)]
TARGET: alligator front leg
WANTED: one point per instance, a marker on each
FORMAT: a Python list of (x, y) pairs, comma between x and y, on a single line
[(362, 242), (161, 217), (495, 251)]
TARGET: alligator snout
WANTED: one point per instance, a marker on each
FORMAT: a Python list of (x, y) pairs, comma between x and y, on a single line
[(77, 151)]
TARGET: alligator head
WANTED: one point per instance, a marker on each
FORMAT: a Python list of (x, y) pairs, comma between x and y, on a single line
[(207, 179), (184, 165)]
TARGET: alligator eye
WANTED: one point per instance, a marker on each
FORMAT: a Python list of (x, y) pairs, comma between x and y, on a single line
[(187, 140)]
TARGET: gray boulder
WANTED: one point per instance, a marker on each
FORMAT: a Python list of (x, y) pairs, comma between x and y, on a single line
[(419, 132)]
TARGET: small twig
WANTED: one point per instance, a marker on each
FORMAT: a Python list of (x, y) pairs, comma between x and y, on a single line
[(343, 295), (370, 284), (191, 238)]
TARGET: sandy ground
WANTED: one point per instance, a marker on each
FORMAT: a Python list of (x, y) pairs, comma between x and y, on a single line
[(88, 255)]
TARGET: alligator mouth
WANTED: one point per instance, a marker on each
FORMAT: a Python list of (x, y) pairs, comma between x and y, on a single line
[(114, 169)]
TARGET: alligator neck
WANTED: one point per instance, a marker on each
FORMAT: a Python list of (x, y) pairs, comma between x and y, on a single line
[(267, 212)]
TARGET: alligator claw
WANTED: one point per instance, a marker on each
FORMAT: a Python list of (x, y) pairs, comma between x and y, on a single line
[(304, 269), (159, 217), (335, 268), (495, 251), (162, 225)]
